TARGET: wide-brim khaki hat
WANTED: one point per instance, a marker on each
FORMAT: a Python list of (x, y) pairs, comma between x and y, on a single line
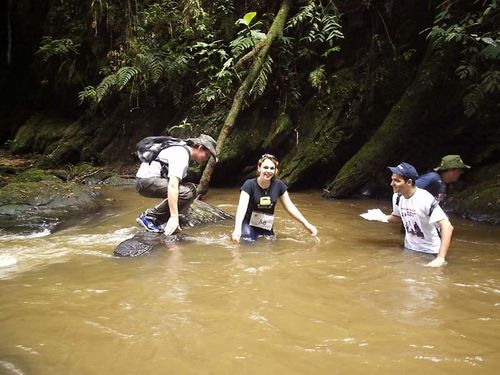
[(206, 141), (451, 162)]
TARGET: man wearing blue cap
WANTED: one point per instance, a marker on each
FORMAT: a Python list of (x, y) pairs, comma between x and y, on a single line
[(426, 225)]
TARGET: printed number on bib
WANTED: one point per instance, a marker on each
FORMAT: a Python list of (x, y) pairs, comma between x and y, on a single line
[(261, 220)]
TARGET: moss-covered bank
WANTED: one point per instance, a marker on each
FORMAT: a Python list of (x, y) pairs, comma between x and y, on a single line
[(33, 206), (480, 200), (35, 200)]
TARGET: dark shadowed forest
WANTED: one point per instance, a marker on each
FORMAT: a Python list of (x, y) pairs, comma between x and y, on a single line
[(338, 90)]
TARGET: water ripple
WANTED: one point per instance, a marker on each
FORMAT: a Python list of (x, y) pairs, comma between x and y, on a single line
[(109, 330)]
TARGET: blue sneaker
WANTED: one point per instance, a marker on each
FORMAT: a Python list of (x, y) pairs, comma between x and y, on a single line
[(148, 224)]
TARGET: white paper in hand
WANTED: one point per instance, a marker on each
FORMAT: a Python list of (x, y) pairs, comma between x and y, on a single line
[(375, 215)]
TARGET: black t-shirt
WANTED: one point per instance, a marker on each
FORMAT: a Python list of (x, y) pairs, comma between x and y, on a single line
[(262, 200)]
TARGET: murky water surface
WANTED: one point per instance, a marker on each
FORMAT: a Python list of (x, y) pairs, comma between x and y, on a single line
[(350, 302)]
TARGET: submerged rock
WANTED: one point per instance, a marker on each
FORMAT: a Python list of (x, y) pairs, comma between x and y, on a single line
[(144, 242)]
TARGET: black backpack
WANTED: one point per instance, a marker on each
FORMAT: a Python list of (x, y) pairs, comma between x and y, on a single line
[(148, 148)]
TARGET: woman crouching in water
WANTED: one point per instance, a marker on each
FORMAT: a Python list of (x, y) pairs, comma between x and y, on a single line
[(258, 198)]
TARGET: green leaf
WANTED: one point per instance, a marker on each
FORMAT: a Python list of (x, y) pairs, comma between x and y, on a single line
[(489, 41), (317, 77), (491, 52), (247, 18)]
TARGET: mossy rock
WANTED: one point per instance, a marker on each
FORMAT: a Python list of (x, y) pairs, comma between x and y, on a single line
[(328, 125), (35, 175), (280, 132), (90, 174), (116, 180), (38, 133), (33, 206), (480, 203)]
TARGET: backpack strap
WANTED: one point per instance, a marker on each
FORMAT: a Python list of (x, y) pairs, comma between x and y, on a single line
[(148, 148), (433, 206), (398, 198), (431, 209), (164, 166)]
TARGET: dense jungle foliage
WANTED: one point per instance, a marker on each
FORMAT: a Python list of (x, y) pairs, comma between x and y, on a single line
[(346, 88)]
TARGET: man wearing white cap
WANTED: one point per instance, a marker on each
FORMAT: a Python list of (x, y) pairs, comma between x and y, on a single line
[(162, 178)]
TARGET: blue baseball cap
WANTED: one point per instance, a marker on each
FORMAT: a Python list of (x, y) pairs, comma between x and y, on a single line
[(406, 170)]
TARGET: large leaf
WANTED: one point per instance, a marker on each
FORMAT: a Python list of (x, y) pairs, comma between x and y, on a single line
[(247, 18)]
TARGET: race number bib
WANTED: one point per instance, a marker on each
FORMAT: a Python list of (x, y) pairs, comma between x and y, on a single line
[(261, 220)]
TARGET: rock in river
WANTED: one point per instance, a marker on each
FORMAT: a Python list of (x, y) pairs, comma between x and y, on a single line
[(145, 242)]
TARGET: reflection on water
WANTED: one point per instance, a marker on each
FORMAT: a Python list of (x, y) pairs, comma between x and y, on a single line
[(348, 301)]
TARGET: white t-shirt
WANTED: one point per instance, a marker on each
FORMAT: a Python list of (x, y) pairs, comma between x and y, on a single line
[(177, 159), (421, 229)]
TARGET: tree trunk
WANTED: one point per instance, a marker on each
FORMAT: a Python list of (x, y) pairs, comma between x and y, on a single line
[(423, 104), (275, 31)]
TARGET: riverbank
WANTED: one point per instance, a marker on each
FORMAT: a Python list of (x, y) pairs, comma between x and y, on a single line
[(34, 199)]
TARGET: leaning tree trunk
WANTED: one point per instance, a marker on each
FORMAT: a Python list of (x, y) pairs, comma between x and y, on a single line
[(422, 104), (275, 31)]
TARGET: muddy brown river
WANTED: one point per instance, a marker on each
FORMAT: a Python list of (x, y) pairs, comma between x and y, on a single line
[(351, 301)]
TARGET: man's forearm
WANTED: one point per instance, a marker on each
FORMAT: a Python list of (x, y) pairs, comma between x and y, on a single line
[(173, 196), (446, 233), (393, 218)]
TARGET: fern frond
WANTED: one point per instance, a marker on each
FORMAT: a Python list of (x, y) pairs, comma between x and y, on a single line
[(473, 100), (124, 75), (105, 87), (332, 28), (317, 77), (260, 83), (246, 42), (330, 50), (306, 13), (318, 26), (465, 71), (491, 52), (176, 67), (436, 36), (491, 82), (56, 47), (239, 45), (155, 67), (87, 93)]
